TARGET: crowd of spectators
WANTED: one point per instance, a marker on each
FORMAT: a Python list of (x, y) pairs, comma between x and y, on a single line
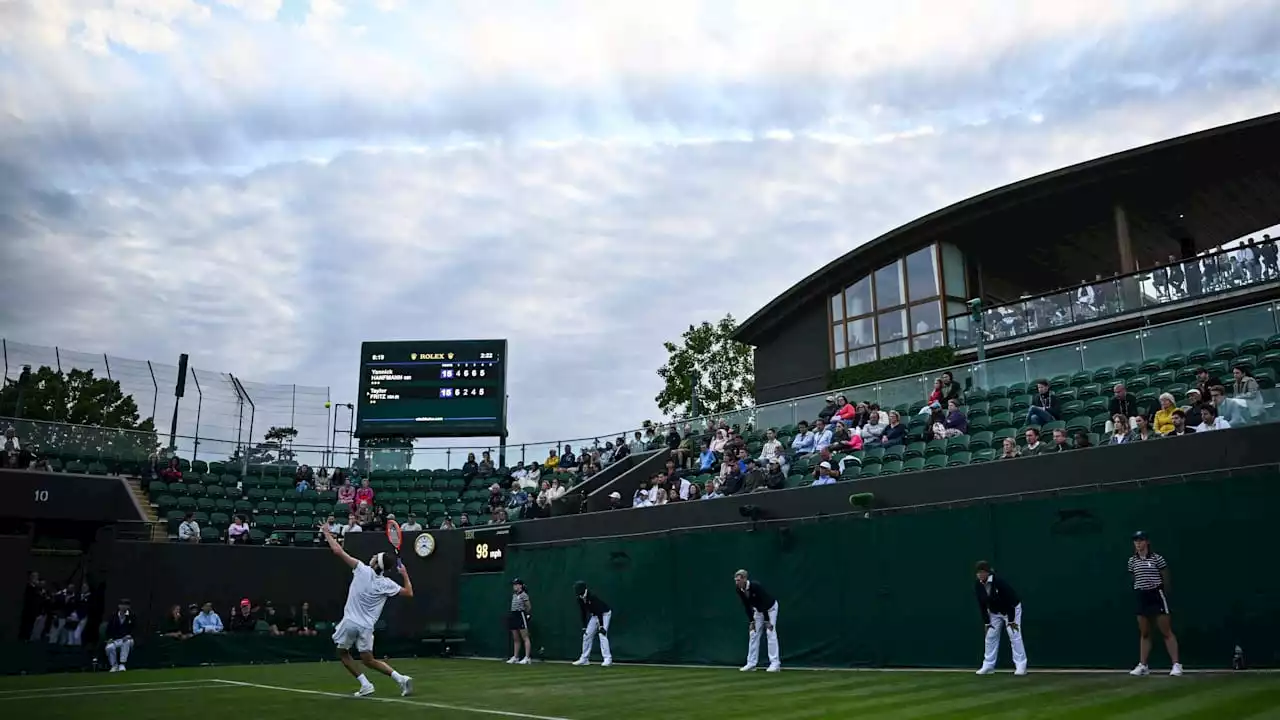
[(243, 618), (58, 616)]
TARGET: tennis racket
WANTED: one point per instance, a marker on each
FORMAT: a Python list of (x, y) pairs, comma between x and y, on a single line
[(395, 536)]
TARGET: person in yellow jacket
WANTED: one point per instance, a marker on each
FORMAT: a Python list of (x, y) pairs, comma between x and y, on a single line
[(1164, 416)]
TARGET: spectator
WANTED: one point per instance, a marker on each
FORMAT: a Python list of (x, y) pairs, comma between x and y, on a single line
[(464, 520), (1142, 429), (711, 490), (302, 479), (638, 444), (518, 502), (956, 423), (1122, 403), (950, 389), (775, 478), (1164, 416), (79, 617), (695, 493), (447, 523), (238, 531), (615, 501), (706, 459), (620, 449), (411, 524), (934, 401), (824, 475), (676, 481), (688, 448), (119, 637), (301, 623), (1044, 405), (802, 443), (846, 412), (1194, 403), (556, 491), (861, 416), (552, 462), (269, 616), (207, 622), (172, 473), (1120, 433), (352, 526), (486, 464), (569, 462), (175, 624), (821, 436), (1227, 410), (16, 455), (842, 440), (1060, 441), (322, 480), (1209, 420), (365, 495), (731, 483), (828, 410), (346, 491), (1205, 383), (873, 430), (895, 433), (470, 468), (301, 485), (1178, 420), (335, 527), (1245, 392), (641, 496), (189, 529), (243, 620), (1009, 449), (534, 478), (735, 444), (1082, 440)]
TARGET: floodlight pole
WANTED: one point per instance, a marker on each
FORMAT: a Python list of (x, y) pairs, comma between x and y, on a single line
[(975, 309)]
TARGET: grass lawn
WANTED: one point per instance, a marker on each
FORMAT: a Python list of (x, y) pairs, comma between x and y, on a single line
[(475, 689)]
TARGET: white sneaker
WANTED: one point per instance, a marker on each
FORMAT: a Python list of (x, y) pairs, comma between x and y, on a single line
[(364, 690), (1177, 670), (775, 668), (406, 687), (984, 670), (514, 659), (748, 668), (1139, 671), (123, 668), (1020, 670), (525, 661), (581, 661), (607, 662), (114, 668)]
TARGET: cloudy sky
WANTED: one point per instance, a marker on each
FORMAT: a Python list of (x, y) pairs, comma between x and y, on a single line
[(266, 183)]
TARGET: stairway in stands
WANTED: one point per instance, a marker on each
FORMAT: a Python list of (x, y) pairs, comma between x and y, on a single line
[(159, 532)]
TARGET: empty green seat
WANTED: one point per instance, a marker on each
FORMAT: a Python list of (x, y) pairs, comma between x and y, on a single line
[(914, 464), (891, 467), (961, 458)]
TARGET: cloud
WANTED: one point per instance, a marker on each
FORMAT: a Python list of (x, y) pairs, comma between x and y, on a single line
[(265, 185)]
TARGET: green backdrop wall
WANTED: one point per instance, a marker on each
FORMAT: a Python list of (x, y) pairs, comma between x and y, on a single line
[(897, 590)]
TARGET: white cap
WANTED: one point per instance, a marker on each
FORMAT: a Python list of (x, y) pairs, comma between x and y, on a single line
[(825, 466), (615, 495)]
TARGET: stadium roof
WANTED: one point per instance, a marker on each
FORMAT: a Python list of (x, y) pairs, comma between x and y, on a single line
[(1215, 185)]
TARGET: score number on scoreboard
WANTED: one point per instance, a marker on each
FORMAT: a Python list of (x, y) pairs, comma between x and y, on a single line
[(486, 549)]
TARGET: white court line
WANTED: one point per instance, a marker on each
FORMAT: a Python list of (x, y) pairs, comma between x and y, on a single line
[(402, 701), (103, 685), (43, 694), (1033, 670)]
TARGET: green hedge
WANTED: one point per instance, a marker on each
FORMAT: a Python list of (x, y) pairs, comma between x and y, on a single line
[(914, 363)]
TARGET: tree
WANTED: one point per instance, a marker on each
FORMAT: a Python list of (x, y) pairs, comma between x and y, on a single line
[(77, 398), (723, 366), (277, 440)]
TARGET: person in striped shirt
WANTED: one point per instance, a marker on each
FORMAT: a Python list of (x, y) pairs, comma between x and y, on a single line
[(518, 623), (1150, 578)]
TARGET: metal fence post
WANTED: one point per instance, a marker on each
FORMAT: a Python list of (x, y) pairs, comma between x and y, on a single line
[(195, 443), (57, 356), (155, 391)]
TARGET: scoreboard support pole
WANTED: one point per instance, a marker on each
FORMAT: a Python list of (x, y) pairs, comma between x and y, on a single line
[(502, 439)]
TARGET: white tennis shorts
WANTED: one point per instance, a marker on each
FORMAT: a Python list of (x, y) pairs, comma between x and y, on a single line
[(348, 634)]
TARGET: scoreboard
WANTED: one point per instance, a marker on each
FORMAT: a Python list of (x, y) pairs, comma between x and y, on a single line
[(486, 549), (432, 388)]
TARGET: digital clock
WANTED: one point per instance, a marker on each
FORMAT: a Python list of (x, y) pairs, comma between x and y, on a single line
[(486, 549)]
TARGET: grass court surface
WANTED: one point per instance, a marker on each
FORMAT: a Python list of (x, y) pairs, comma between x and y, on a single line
[(474, 690)]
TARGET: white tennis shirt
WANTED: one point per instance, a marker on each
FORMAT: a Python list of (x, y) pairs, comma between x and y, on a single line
[(367, 595)]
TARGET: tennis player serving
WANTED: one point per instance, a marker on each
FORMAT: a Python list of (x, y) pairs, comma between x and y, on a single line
[(366, 597)]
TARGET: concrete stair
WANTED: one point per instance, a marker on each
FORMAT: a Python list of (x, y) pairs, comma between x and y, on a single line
[(159, 532)]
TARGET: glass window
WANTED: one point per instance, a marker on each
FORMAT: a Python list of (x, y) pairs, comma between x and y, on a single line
[(995, 373), (893, 349), (926, 318), (891, 325), (922, 274), (865, 355), (953, 271), (1049, 362), (779, 413), (1242, 324), (889, 285), (840, 360), (1112, 351), (837, 307), (837, 338), (857, 298), (908, 390), (861, 332), (1182, 337), (926, 342)]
